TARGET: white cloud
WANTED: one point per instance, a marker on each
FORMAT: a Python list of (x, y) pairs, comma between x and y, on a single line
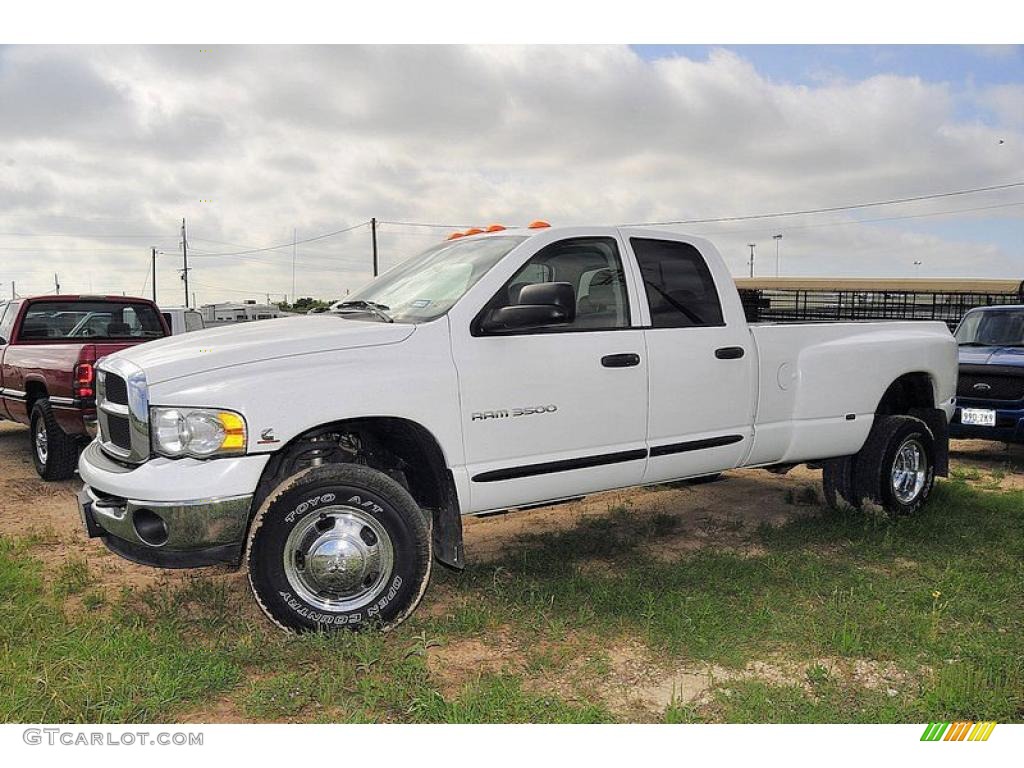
[(128, 140)]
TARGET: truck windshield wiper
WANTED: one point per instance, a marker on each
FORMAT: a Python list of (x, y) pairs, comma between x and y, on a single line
[(380, 310), (974, 344)]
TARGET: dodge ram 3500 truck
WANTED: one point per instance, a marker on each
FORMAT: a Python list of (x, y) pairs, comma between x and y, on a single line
[(335, 453), (48, 348)]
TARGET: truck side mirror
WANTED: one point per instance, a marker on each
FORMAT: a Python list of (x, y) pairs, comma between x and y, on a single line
[(540, 305)]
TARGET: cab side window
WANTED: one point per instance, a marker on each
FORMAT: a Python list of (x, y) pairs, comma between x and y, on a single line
[(680, 290), (8, 312), (592, 266)]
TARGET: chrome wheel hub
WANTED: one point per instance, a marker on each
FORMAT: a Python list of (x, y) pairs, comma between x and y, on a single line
[(909, 471), (42, 447), (339, 558)]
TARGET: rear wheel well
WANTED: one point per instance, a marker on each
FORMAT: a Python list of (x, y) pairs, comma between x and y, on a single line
[(913, 394), (910, 391), (34, 391), (400, 448)]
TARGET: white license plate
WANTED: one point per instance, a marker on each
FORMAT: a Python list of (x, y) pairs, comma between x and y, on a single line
[(978, 417)]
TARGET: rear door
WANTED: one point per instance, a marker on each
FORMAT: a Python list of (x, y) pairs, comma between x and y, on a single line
[(701, 359), (562, 411)]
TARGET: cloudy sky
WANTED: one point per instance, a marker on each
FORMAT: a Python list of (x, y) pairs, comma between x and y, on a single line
[(103, 150)]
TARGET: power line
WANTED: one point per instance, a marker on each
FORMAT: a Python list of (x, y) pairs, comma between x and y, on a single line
[(421, 224), (291, 244), (832, 209), (885, 218)]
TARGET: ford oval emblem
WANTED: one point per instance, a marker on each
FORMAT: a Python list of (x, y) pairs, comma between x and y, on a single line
[(981, 386)]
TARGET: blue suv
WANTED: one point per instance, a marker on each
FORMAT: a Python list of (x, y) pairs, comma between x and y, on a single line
[(990, 392)]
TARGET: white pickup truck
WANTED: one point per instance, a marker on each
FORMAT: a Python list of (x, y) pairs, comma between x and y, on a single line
[(334, 454)]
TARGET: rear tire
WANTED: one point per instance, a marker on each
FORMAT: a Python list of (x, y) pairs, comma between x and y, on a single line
[(339, 546), (54, 452), (896, 467)]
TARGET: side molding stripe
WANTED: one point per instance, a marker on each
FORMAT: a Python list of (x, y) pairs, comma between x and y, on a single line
[(694, 445), (565, 465), (585, 462)]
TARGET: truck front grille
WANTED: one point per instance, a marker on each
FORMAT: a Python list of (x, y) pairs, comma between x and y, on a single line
[(122, 411), (119, 431), (986, 386), (116, 389)]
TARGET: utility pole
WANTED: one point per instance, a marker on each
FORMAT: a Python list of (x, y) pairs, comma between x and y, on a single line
[(373, 236), (777, 238), (751, 247), (56, 283), (293, 267), (184, 260), (153, 251)]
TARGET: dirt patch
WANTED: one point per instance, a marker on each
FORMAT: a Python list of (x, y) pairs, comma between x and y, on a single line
[(989, 465), (46, 515), (456, 664), (223, 710), (640, 686)]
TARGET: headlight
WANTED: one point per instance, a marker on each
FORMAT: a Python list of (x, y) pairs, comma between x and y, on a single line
[(197, 432)]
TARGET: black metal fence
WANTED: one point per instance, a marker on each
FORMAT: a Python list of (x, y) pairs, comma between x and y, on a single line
[(810, 305)]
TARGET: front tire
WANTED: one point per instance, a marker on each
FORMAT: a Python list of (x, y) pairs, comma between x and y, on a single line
[(54, 452), (896, 467), (339, 546)]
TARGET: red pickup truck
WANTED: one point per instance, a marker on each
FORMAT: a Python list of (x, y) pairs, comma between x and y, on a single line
[(48, 349)]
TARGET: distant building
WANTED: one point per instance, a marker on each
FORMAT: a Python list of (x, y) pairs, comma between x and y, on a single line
[(234, 312)]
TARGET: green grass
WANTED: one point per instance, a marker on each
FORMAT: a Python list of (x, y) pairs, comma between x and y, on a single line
[(939, 597), (840, 585)]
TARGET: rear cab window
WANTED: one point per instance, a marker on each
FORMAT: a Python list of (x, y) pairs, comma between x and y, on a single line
[(89, 320), (680, 290)]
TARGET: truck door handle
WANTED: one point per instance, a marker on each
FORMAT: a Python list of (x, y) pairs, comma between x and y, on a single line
[(729, 353), (624, 360)]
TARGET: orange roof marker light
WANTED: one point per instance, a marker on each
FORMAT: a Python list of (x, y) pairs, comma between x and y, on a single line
[(473, 231), (538, 224), (455, 235), (495, 228)]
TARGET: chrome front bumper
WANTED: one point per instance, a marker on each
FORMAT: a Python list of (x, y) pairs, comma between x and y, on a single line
[(167, 534), (205, 529)]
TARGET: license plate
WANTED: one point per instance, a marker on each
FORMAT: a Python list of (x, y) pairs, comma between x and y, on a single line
[(978, 417)]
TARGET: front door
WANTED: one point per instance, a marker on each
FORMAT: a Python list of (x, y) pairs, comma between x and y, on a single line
[(556, 412)]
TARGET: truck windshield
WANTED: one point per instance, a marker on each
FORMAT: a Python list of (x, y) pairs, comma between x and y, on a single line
[(93, 320), (992, 328), (426, 286)]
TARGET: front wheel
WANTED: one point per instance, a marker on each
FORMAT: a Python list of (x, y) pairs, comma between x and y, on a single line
[(896, 467), (54, 452), (339, 546)]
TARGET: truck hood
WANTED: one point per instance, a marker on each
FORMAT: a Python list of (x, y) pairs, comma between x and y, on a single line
[(1013, 356), (243, 343)]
